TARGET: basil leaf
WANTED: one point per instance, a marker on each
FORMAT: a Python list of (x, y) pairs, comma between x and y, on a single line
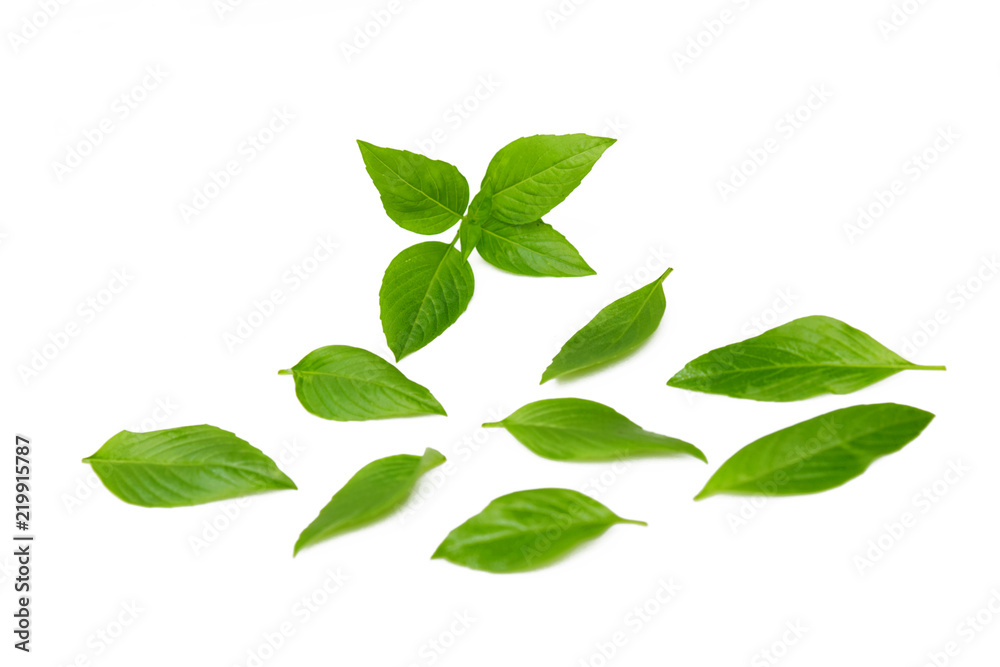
[(424, 290), (184, 466), (818, 454), (527, 530), (371, 494), (530, 176), (419, 194), (572, 429), (479, 209), (346, 383), (804, 358), (469, 234), (533, 249), (615, 331)]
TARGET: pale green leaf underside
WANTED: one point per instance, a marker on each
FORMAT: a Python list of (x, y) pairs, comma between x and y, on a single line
[(532, 249), (527, 530), (371, 494), (614, 332), (347, 383), (184, 466), (424, 290), (419, 194), (818, 454), (804, 358), (573, 429), (530, 176)]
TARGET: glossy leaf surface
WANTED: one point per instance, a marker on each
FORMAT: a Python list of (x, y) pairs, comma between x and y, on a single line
[(818, 454), (573, 429), (801, 359), (527, 530), (371, 494), (424, 291), (189, 465), (614, 332), (347, 383)]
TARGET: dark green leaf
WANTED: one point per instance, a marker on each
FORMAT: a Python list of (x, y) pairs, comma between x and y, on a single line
[(184, 466), (818, 454), (614, 332), (572, 429), (346, 383), (419, 194), (530, 176), (374, 492), (527, 530), (424, 290), (804, 358), (534, 249)]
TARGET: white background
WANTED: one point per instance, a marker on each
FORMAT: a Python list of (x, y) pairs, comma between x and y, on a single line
[(609, 68)]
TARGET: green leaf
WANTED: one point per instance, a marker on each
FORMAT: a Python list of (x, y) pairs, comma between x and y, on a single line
[(530, 176), (346, 383), (527, 530), (374, 492), (424, 290), (818, 454), (572, 429), (804, 358), (469, 234), (614, 332), (534, 249), (479, 209), (419, 194), (184, 466)]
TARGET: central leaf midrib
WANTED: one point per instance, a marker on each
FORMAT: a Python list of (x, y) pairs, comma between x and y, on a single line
[(825, 364), (356, 379), (520, 245), (423, 300)]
